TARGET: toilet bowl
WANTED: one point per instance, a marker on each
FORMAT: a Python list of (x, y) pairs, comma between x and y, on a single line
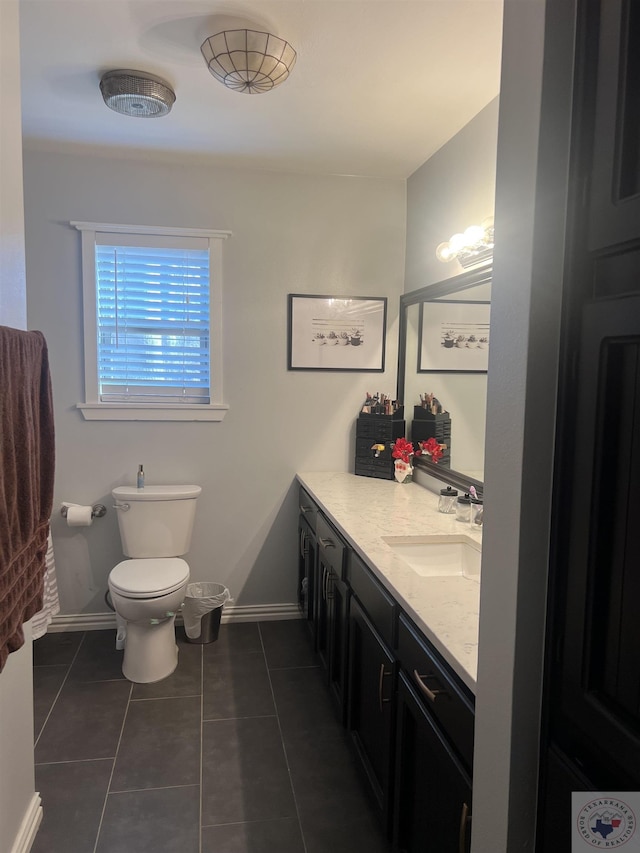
[(146, 595), (155, 524)]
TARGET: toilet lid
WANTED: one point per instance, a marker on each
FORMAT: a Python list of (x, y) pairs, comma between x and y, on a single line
[(149, 578)]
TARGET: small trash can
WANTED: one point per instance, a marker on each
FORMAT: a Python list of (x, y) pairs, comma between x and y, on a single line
[(202, 610)]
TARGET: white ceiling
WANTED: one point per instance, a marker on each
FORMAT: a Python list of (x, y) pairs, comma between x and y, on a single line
[(378, 87)]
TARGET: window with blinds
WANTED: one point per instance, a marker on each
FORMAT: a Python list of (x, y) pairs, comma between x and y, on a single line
[(152, 306), (153, 319)]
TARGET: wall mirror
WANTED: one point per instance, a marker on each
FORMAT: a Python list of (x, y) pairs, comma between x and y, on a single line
[(443, 350)]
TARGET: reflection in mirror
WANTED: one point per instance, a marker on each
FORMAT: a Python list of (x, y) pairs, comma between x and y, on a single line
[(462, 394)]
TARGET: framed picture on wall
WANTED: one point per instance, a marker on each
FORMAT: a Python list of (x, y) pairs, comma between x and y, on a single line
[(453, 336), (336, 333)]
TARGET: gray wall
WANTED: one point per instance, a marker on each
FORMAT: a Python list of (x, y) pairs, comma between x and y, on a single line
[(291, 234), (454, 189), (19, 804)]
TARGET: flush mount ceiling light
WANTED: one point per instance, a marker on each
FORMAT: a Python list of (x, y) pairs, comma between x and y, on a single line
[(136, 93), (472, 247), (247, 60)]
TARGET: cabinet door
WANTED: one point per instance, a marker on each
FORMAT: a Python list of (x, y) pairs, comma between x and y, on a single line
[(338, 594), (332, 596), (372, 670), (432, 802), (306, 571), (322, 610)]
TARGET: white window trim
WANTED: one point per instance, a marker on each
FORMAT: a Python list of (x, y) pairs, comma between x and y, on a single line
[(92, 408)]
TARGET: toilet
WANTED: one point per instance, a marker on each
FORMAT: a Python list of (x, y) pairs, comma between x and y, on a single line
[(148, 589)]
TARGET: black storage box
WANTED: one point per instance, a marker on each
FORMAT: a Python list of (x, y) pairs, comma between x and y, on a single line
[(377, 429)]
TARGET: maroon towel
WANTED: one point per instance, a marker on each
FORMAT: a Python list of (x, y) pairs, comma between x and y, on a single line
[(26, 480)]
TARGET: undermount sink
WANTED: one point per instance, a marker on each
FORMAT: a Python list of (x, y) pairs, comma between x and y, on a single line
[(439, 556)]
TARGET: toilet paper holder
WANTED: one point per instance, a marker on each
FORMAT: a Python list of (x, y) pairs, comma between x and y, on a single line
[(97, 511)]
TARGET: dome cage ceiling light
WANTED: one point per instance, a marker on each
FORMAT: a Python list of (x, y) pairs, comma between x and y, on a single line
[(247, 60), (136, 93)]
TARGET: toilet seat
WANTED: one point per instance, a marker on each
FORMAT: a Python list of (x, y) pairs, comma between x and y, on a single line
[(149, 578)]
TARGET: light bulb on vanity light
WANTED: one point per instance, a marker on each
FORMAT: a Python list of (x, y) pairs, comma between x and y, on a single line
[(444, 253), (456, 243), (473, 234), (472, 247)]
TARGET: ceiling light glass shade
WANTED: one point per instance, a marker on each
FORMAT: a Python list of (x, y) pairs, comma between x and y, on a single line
[(248, 61), (136, 93)]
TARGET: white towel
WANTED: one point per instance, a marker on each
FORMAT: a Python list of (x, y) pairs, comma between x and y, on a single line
[(50, 600)]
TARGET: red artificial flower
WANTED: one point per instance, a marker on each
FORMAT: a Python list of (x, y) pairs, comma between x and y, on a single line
[(402, 449), (432, 449)]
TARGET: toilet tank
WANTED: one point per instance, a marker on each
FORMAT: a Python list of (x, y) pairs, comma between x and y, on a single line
[(155, 521)]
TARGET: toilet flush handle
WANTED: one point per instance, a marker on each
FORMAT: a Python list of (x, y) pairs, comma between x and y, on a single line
[(122, 507)]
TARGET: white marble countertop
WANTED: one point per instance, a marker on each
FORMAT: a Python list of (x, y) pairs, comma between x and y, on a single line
[(365, 509)]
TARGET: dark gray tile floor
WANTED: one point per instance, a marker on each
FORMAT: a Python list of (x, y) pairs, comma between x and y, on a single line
[(239, 751)]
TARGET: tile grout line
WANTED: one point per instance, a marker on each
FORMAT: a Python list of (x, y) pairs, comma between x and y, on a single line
[(64, 681), (284, 748), (155, 788), (106, 796), (201, 744), (73, 761)]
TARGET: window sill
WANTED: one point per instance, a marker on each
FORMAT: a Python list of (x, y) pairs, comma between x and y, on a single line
[(151, 412)]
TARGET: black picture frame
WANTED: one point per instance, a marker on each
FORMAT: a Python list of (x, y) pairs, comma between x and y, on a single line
[(453, 337), (336, 333)]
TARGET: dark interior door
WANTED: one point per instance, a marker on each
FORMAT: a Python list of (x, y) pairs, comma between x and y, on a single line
[(598, 682)]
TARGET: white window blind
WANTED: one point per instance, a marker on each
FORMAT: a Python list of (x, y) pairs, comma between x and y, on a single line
[(153, 319)]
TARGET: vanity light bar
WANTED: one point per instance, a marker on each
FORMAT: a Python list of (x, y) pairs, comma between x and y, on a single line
[(470, 247)]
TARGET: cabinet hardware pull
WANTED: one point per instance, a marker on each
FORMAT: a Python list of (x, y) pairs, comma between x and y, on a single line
[(464, 820), (324, 583), (381, 701), (326, 543), (430, 694), (304, 509), (303, 536)]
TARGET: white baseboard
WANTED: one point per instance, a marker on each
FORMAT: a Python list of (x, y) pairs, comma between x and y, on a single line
[(230, 613), (29, 826)]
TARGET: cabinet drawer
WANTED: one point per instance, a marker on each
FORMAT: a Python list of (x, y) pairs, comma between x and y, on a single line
[(448, 701), (364, 450), (331, 544), (308, 508), (377, 603), (379, 468), (379, 430)]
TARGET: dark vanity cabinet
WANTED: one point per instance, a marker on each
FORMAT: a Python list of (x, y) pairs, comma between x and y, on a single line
[(372, 680), (411, 720), (332, 601), (434, 752), (409, 716)]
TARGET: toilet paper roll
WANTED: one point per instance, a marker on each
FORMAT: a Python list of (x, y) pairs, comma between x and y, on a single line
[(79, 516)]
